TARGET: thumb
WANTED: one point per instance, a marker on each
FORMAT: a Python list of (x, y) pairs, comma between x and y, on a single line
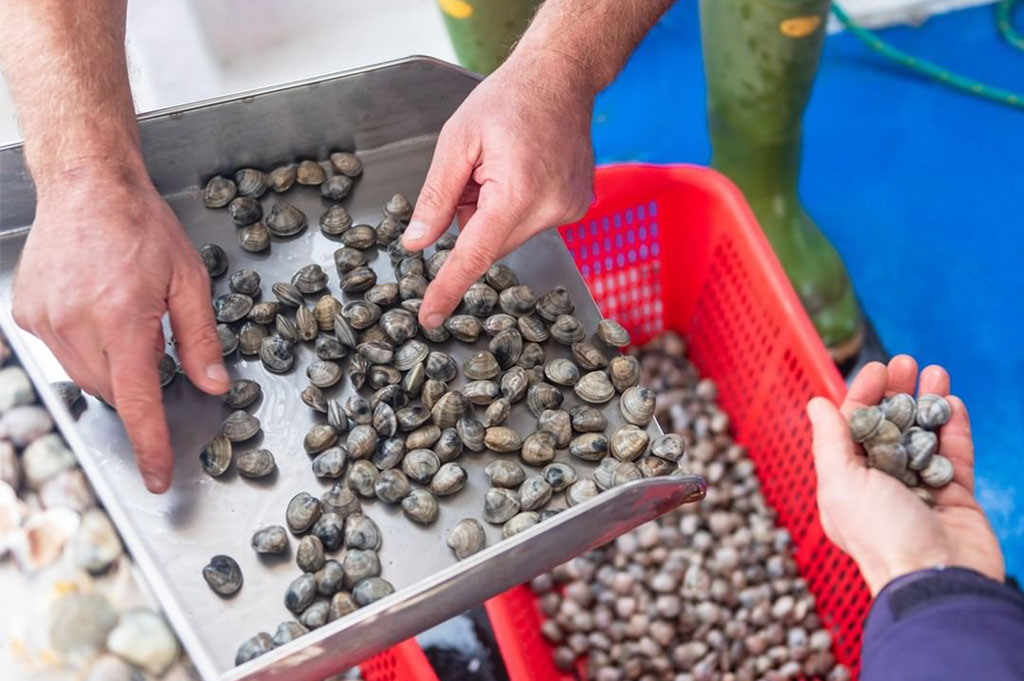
[(834, 455), (196, 332), (450, 171)]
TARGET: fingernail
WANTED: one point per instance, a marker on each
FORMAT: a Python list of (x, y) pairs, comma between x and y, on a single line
[(415, 230), (434, 320), (217, 372), (154, 483)]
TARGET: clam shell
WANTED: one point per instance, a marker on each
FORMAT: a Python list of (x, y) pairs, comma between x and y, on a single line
[(587, 419), (637, 405), (323, 373), (398, 207), (255, 463), (514, 384), (272, 540), (449, 445), (538, 448), (472, 433), (434, 263), (559, 475), (889, 457), (466, 538), (227, 339), (594, 387), (502, 439), (481, 366), (303, 510), (346, 259), (864, 422), (245, 210), (300, 593), (339, 501), (335, 221), (411, 418), (558, 423), (253, 647), (285, 219), (448, 479), (624, 372), (424, 436), (939, 471), (384, 295), (412, 286), (900, 409), (497, 411), (921, 446), (496, 323), (336, 187), (432, 391), (315, 616), (505, 473), (264, 312), (282, 178), (310, 173), (533, 355), (449, 408), (289, 631), (326, 309), (388, 230), (420, 465), (562, 371), (246, 282), (604, 474), (532, 328), (441, 367), (589, 446), (254, 238), (346, 163), (464, 327), (362, 533), (330, 463), (399, 325), (392, 394), (287, 294), (362, 476), (305, 323), (240, 426), (251, 182), (501, 277), (214, 259), (231, 307), (309, 554), (384, 420), (420, 506), (478, 301), (361, 441), (933, 411), (372, 590), (519, 523), (588, 356), (344, 332), (542, 396), (506, 346), (481, 392), (581, 491), (409, 354), (629, 443), (670, 447), (438, 334), (218, 192), (534, 493), (411, 265), (567, 330), (358, 279), (359, 314), (517, 300), (392, 486), (389, 453), (612, 333), (319, 437), (216, 456), (336, 416), (500, 505), (555, 303), (360, 236), (653, 466)]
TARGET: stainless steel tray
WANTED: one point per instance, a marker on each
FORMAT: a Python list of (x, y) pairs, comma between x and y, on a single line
[(390, 114)]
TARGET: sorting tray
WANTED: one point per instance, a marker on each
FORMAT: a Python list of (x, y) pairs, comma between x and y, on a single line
[(390, 114)]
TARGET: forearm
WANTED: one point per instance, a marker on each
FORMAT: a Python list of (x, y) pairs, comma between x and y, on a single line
[(65, 65), (598, 36)]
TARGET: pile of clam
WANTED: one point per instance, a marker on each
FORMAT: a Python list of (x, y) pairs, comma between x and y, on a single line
[(706, 593), (411, 410), (900, 438)]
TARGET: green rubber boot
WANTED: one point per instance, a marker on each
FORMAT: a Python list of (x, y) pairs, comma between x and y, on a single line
[(484, 32), (760, 57)]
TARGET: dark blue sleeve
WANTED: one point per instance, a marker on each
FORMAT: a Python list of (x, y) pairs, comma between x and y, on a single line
[(944, 624)]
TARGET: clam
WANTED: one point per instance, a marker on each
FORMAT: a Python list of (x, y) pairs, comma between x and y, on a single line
[(329, 347), (581, 491), (921, 446), (330, 579), (358, 279), (421, 465), (392, 394), (398, 207), (538, 448), (372, 590), (533, 355), (282, 178), (534, 493), (287, 632), (382, 375), (501, 277), (514, 384), (285, 219), (388, 230), (496, 412), (216, 455), (500, 504), (26, 422), (886, 433), (384, 295), (319, 437), (464, 327), (272, 539), (384, 420), (218, 192), (589, 446), (346, 259), (240, 426), (628, 443), (498, 322), (323, 373), (305, 323), (253, 647), (167, 369), (44, 458), (399, 325), (391, 486), (481, 392), (335, 220), (448, 446), (420, 506), (254, 238), (300, 593), (342, 604), (865, 422), (558, 422), (587, 419), (900, 409), (411, 418), (438, 334), (376, 352), (214, 259), (889, 457), (330, 463), (339, 501), (432, 390), (361, 441), (466, 538), (441, 367), (411, 265), (396, 251), (326, 309), (939, 471), (344, 332), (360, 315), (310, 173), (637, 405), (68, 392), (303, 510), (412, 286), (933, 411), (337, 417), (264, 312), (360, 236), (346, 163), (231, 307), (543, 396), (449, 408), (251, 182), (471, 432), (479, 300), (246, 282), (562, 372), (288, 294), (532, 328), (362, 476), (519, 523), (245, 210), (316, 615), (286, 329), (506, 346), (309, 554), (448, 479), (612, 333), (626, 471), (434, 263), (362, 533), (310, 279), (559, 475), (502, 439), (670, 447), (588, 356), (567, 330), (504, 473), (517, 300), (223, 575), (653, 466), (555, 303), (423, 437), (336, 187), (624, 372), (255, 463), (604, 474)]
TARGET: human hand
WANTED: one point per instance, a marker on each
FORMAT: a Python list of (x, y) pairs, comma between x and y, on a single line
[(104, 260), (522, 137), (872, 516)]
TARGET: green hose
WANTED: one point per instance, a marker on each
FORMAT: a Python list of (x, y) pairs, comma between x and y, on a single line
[(1004, 23)]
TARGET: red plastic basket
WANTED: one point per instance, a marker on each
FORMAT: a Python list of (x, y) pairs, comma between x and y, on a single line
[(403, 662), (676, 247)]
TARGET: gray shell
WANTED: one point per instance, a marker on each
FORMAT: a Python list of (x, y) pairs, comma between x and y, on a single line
[(309, 554), (360, 236), (559, 475), (346, 258), (371, 590), (323, 373), (392, 486), (216, 456), (253, 647), (319, 437), (543, 396), (384, 295), (481, 392), (534, 493), (502, 439), (255, 463), (303, 510), (555, 303), (310, 279), (282, 178), (900, 409), (558, 423), (240, 426), (538, 448), (624, 372), (519, 523), (449, 479), (398, 207), (500, 505), (589, 446), (254, 238), (670, 447), (587, 419), (272, 539), (362, 476), (420, 506), (594, 387), (939, 471), (921, 446), (507, 347), (218, 192), (933, 411), (231, 307), (629, 442), (313, 397), (865, 422), (580, 491), (501, 277), (214, 259), (504, 473), (637, 405), (359, 565), (514, 384), (588, 356), (245, 210), (421, 465), (335, 221), (330, 530), (464, 327), (449, 408), (466, 538), (347, 163), (517, 300), (330, 463), (310, 173), (562, 371), (361, 532), (498, 322), (612, 333), (471, 432), (479, 300), (567, 330), (250, 336), (242, 393), (336, 187), (533, 329), (285, 219)]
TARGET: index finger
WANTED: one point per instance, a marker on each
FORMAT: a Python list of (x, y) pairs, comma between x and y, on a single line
[(139, 403), (867, 388)]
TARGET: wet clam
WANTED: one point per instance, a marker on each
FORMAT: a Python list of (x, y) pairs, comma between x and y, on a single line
[(501, 277), (216, 456), (587, 419), (479, 300), (464, 327), (255, 463), (310, 173), (517, 300), (555, 303), (330, 579), (654, 467), (496, 412), (214, 259), (471, 432), (310, 279), (270, 540), (285, 219), (231, 307), (254, 238), (335, 220), (362, 476), (227, 338), (362, 533), (223, 575), (336, 416), (449, 408), (900, 409), (342, 604), (392, 394), (441, 367), (240, 426), (637, 405), (624, 372), (384, 295), (933, 411), (534, 493), (358, 279), (245, 210), (360, 315), (286, 329), (323, 373), (287, 632), (346, 163), (543, 396), (246, 282), (288, 294), (396, 252), (384, 420), (514, 384), (67, 391), (533, 355), (558, 422), (481, 392), (303, 510), (567, 330), (887, 433), (344, 332), (438, 334), (372, 590), (670, 447), (506, 347), (559, 475), (589, 446), (865, 422), (538, 448), (382, 375), (588, 356), (360, 236), (218, 192), (264, 312), (562, 371), (316, 614), (449, 445), (594, 387), (336, 187), (398, 207), (309, 554), (466, 538), (580, 491), (628, 443), (448, 479), (330, 463), (347, 258), (399, 325), (392, 486), (532, 328), (519, 523), (421, 465), (434, 263), (502, 439), (504, 473), (921, 446), (388, 230), (253, 647), (612, 333), (500, 504), (626, 471), (282, 178), (376, 352), (410, 265), (340, 501), (305, 323), (300, 593), (604, 474), (432, 390), (889, 457), (411, 418), (329, 347), (319, 437), (412, 286), (251, 182), (498, 322), (326, 309), (939, 471), (420, 506)]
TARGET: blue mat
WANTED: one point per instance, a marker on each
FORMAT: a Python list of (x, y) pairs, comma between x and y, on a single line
[(919, 187)]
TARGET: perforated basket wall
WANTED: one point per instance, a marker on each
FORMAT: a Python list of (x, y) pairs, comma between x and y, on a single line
[(676, 247), (403, 662)]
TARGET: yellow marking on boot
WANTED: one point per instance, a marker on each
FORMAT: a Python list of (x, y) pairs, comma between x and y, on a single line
[(800, 27), (457, 9)]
